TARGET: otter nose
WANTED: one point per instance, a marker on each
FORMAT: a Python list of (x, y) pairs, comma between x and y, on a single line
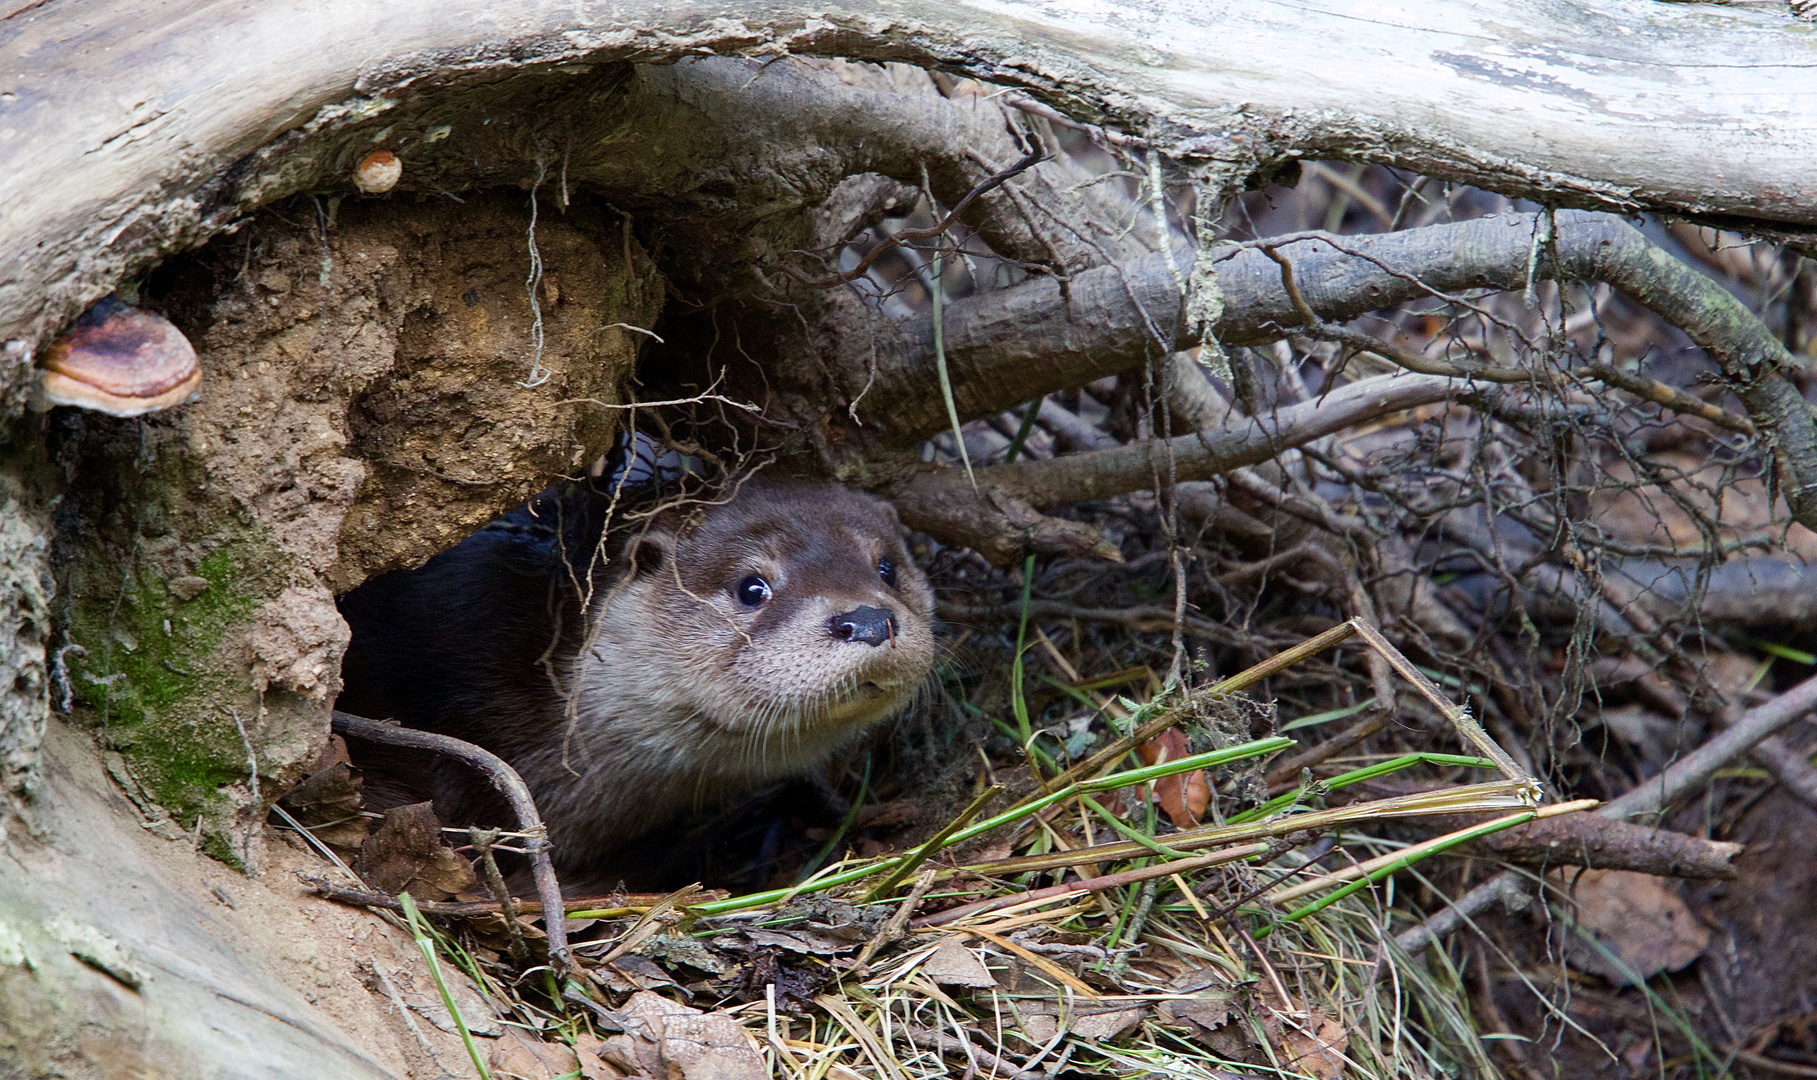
[(873, 626)]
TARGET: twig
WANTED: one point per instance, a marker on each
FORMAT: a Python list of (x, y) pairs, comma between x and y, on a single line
[(939, 228), (1313, 855), (1773, 1065), (893, 929), (1791, 768), (1316, 327), (482, 840), (1696, 767), (937, 503), (952, 1047), (599, 907), (1603, 843), (509, 784), (1370, 866), (1288, 771), (1648, 798), (1660, 394)]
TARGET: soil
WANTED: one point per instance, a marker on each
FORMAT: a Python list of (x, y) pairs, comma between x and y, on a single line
[(372, 392)]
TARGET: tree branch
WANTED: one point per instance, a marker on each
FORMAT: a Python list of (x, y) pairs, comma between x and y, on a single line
[(1647, 799), (1343, 277), (1008, 347), (943, 504), (509, 784), (1636, 118)]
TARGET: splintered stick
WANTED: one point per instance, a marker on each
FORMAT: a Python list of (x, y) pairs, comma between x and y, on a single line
[(1459, 716)]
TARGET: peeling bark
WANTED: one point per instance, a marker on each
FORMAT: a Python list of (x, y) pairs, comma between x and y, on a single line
[(201, 127)]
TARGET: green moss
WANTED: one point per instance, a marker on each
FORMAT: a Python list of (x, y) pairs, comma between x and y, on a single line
[(216, 846), (156, 679)]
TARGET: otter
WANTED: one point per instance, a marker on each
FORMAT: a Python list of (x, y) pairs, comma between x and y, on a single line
[(718, 645)]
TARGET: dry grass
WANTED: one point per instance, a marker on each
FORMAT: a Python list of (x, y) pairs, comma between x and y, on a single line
[(1097, 939)]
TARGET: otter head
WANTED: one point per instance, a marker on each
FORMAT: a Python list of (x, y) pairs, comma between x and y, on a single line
[(768, 629)]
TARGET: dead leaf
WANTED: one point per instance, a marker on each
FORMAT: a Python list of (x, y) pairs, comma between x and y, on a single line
[(800, 941), (1100, 1022), (1088, 1021), (592, 1066), (1183, 797), (954, 965), (1039, 1026), (632, 973), (1313, 1043), (691, 951), (1637, 917), (517, 1056), (1207, 1010), (406, 854), (669, 1041), (330, 795)]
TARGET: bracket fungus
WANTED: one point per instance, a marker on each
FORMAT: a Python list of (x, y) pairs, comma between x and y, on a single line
[(120, 360)]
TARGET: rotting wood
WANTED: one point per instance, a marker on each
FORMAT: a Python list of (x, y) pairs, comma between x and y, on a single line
[(147, 171)]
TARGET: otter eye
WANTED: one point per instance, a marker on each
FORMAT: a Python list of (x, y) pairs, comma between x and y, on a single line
[(752, 591), (887, 571)]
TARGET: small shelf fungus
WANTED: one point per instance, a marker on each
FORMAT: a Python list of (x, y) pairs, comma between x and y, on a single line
[(120, 360), (378, 172)]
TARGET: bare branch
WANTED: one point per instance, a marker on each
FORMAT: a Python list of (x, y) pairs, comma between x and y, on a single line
[(941, 503), (509, 784)]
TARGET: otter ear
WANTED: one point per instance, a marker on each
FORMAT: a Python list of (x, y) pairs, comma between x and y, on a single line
[(650, 553)]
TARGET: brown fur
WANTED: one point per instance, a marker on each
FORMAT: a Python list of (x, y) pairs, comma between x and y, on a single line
[(670, 693)]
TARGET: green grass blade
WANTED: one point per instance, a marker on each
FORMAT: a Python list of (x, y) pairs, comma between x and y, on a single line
[(427, 947)]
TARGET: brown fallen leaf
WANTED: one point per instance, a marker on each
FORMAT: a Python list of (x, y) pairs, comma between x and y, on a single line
[(632, 973), (330, 796), (1213, 1017), (1206, 1011), (1183, 797), (666, 1040), (800, 941), (406, 854), (592, 1066), (1313, 1043), (954, 965), (1638, 918), (516, 1056), (1097, 1023)]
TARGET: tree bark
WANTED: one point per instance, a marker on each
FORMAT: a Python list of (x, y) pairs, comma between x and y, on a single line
[(214, 110), (1118, 314)]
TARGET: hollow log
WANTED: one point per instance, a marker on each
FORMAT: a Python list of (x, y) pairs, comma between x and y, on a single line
[(217, 109)]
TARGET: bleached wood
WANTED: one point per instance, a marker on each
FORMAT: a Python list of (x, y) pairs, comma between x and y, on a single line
[(129, 130)]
